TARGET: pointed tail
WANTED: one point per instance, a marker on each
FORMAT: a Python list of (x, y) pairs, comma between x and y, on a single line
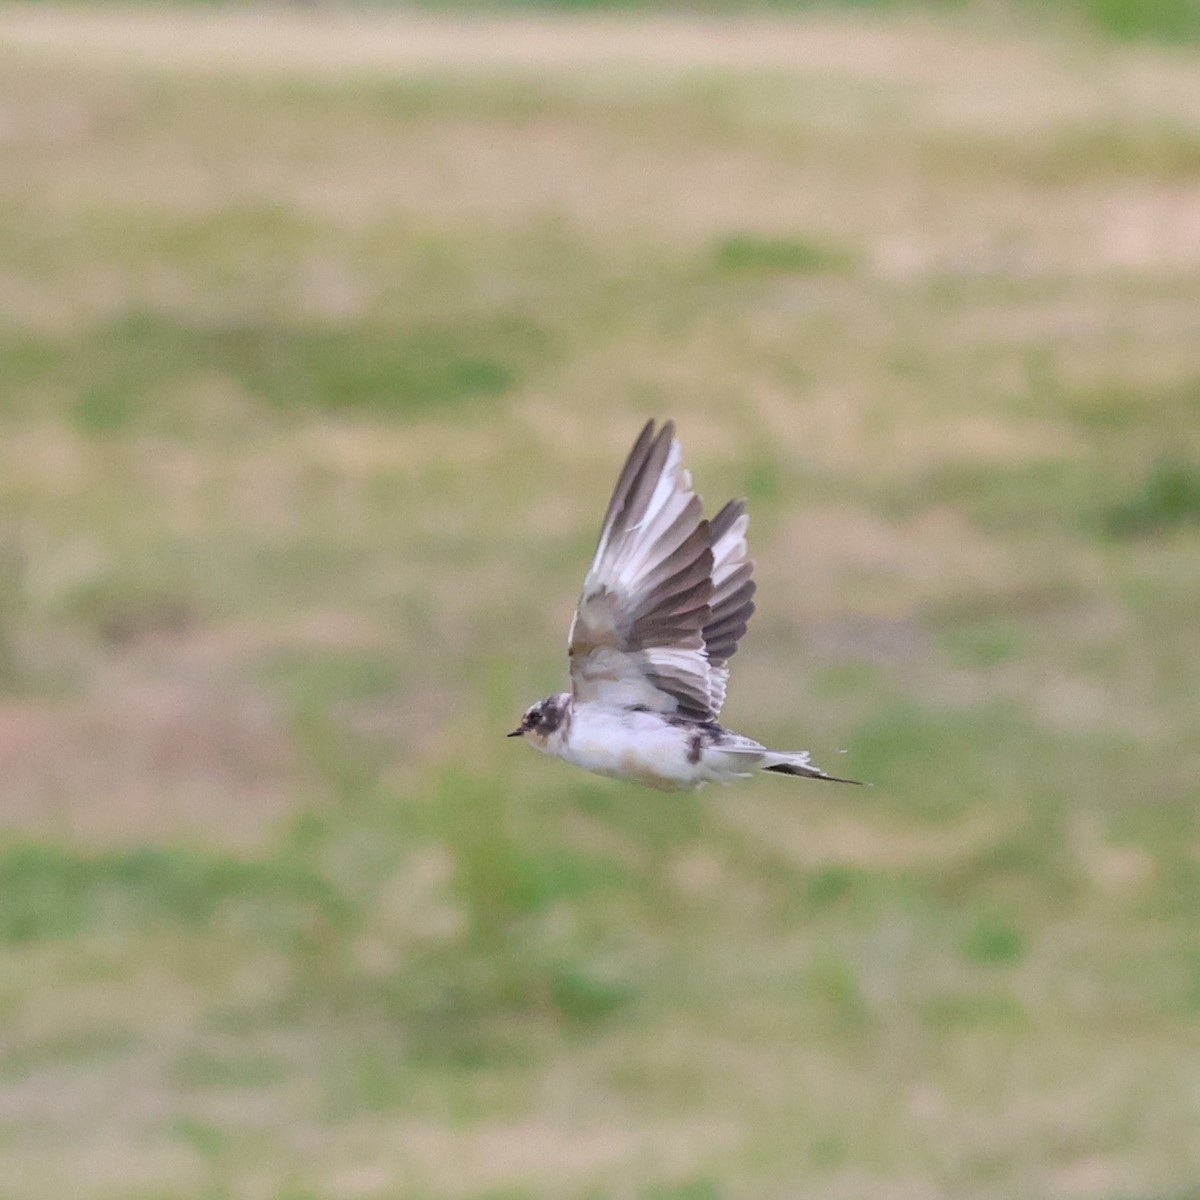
[(799, 763)]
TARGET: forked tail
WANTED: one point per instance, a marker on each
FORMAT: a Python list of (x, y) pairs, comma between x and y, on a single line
[(798, 763)]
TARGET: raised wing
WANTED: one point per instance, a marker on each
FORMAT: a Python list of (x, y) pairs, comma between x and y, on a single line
[(730, 604), (667, 595)]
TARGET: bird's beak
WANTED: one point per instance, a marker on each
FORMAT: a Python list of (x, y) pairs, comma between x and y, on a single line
[(515, 733)]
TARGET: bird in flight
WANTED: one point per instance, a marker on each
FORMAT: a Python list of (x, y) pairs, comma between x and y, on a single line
[(666, 599)]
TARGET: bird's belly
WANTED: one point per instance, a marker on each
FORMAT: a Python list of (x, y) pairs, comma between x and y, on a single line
[(657, 760)]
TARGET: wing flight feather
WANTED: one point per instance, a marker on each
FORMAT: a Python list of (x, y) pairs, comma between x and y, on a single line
[(668, 593), (731, 606)]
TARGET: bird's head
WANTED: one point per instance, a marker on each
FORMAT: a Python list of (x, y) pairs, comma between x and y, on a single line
[(543, 718)]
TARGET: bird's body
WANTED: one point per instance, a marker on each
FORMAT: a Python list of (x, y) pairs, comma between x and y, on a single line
[(625, 743), (672, 754), (664, 604)]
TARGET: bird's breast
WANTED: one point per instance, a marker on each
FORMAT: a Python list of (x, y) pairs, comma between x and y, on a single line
[(634, 746)]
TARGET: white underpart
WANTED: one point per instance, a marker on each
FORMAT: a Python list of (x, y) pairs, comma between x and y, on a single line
[(645, 748), (640, 746)]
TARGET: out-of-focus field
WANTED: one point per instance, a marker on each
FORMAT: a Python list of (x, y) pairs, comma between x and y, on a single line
[(321, 340)]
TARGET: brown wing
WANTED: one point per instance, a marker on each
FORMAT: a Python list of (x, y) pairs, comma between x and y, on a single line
[(638, 634), (731, 604)]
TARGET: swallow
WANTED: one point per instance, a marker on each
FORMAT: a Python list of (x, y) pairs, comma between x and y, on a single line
[(664, 605)]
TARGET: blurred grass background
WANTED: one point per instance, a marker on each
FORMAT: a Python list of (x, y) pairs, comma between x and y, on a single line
[(322, 336)]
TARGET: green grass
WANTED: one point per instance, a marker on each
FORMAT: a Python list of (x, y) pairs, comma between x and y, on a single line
[(789, 256), (1168, 497), (313, 383), (1168, 20)]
